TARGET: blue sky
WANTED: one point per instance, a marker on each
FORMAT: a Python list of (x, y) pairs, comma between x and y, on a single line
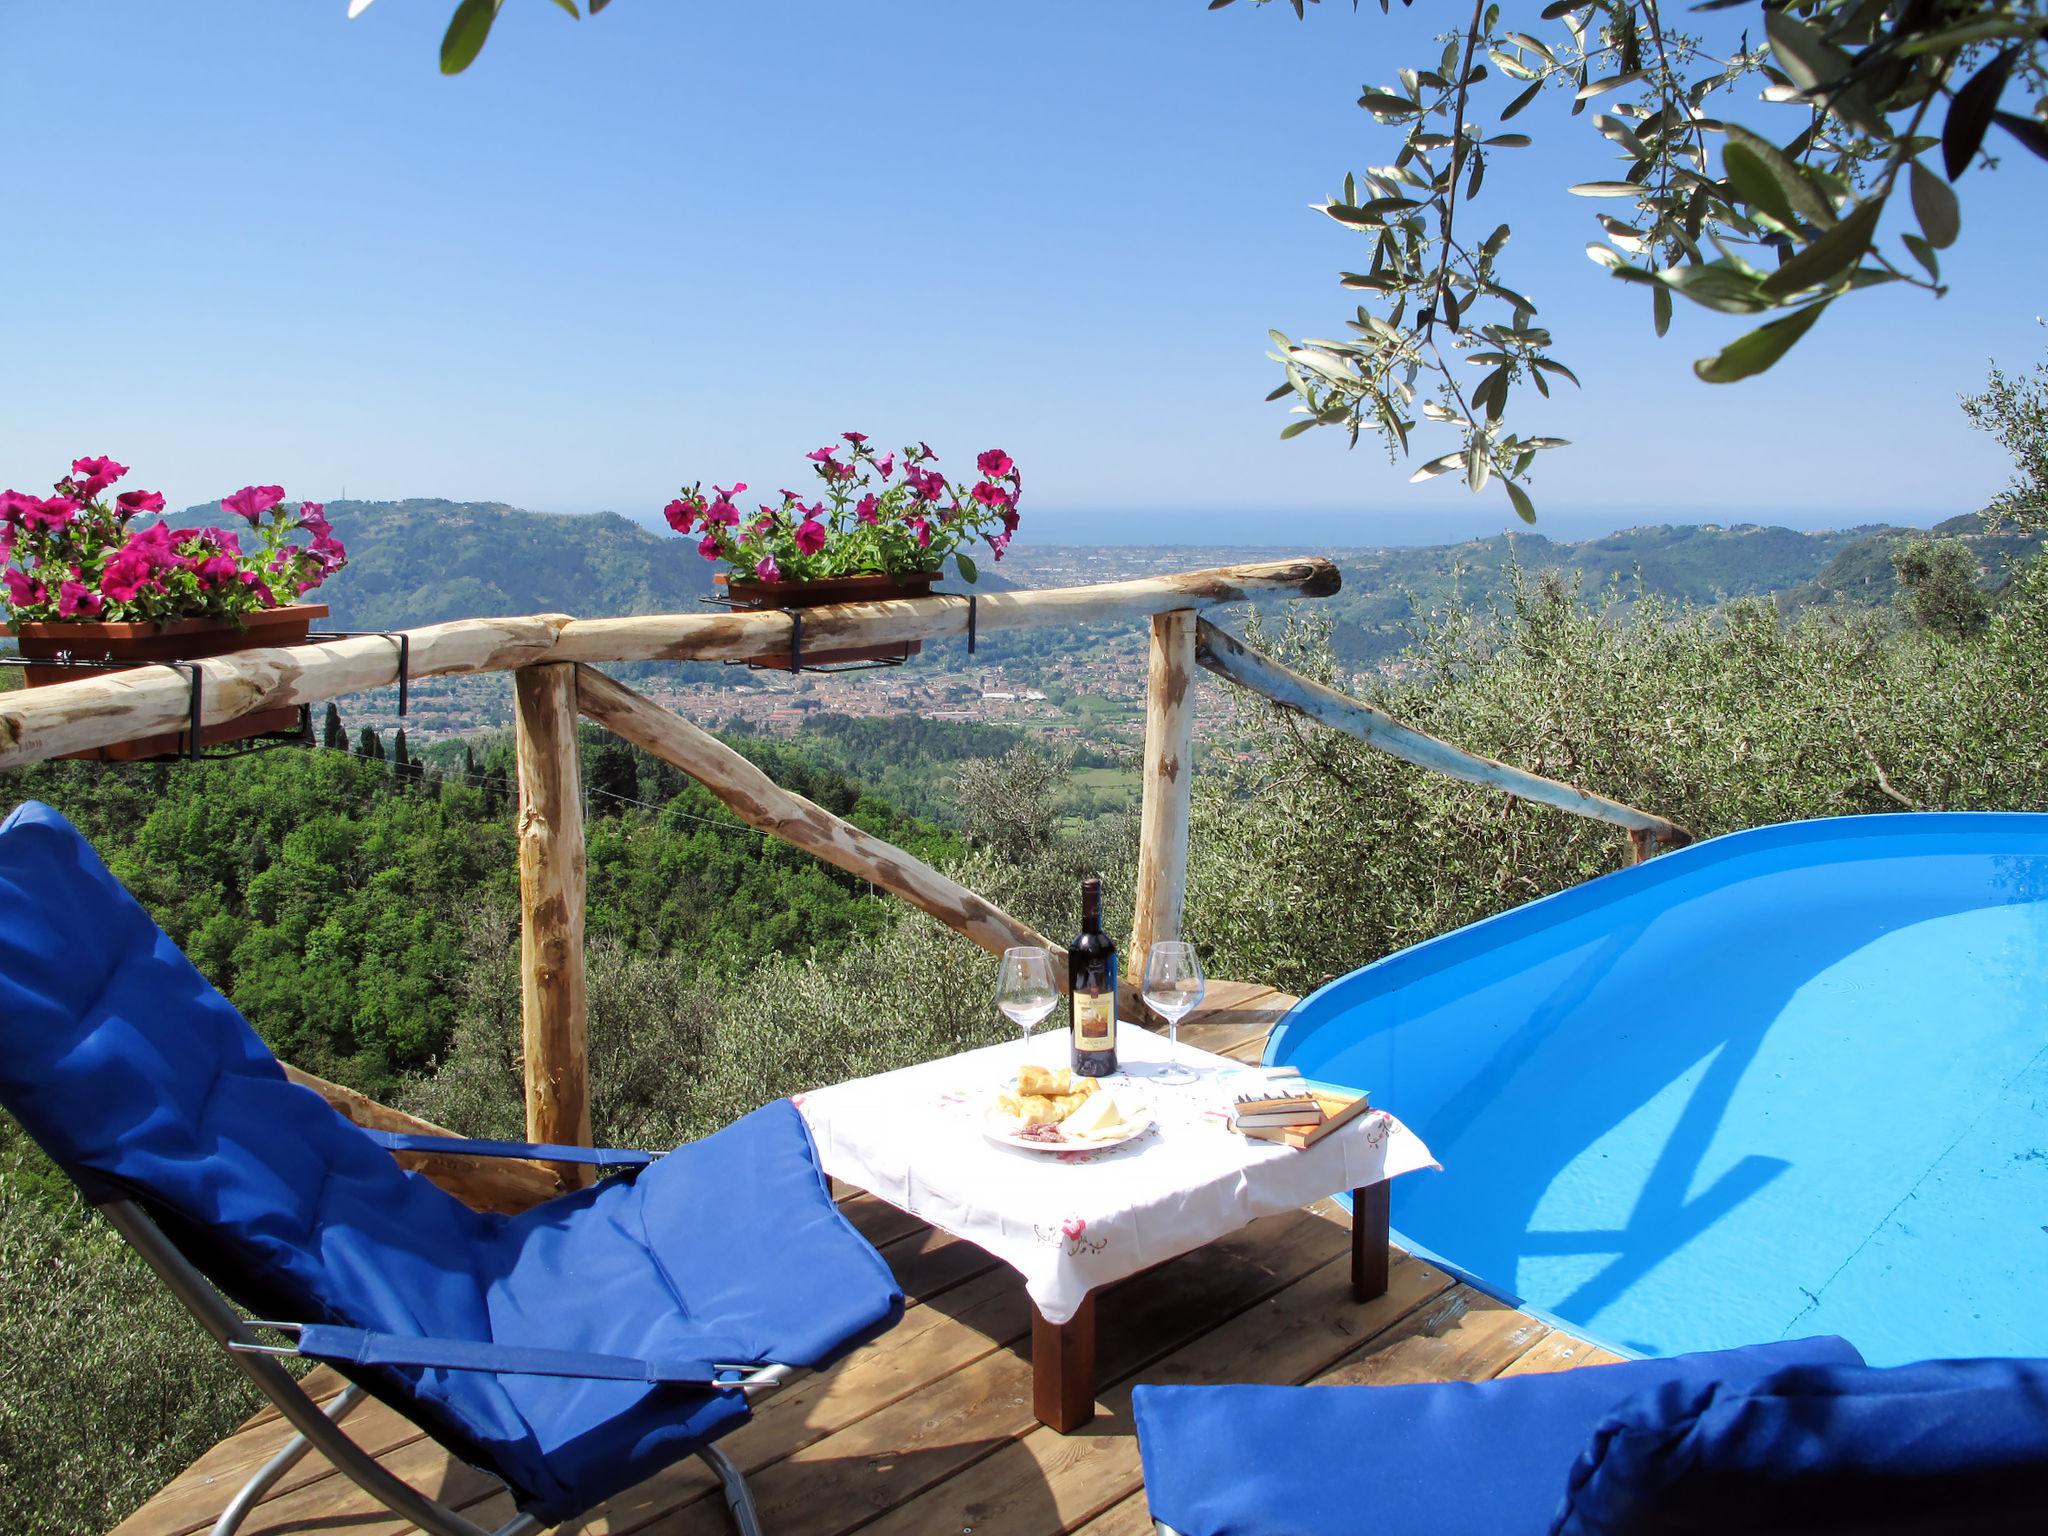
[(255, 241)]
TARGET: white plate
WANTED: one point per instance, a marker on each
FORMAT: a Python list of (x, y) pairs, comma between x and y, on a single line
[(1137, 1121)]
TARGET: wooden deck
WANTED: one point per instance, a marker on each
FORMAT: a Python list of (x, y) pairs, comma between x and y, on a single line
[(930, 1429)]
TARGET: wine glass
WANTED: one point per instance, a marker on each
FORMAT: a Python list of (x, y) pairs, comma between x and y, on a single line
[(1024, 989), (1173, 989)]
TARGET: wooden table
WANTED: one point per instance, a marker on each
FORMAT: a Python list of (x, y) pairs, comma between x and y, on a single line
[(917, 1138), (1063, 1354)]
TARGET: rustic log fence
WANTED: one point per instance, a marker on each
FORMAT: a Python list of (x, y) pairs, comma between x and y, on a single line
[(553, 659)]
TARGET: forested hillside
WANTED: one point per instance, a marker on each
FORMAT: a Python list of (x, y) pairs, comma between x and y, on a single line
[(339, 899)]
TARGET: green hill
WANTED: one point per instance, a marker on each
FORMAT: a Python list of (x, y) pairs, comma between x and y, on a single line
[(421, 561), (1385, 589), (1861, 575)]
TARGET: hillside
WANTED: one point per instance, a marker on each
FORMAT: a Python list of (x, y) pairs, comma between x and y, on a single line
[(1861, 573), (420, 561), (1384, 589)]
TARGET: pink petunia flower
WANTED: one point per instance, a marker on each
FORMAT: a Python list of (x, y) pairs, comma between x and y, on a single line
[(768, 570), (855, 438), (999, 542), (99, 467), (252, 501), (920, 530), (51, 513), (810, 536), (329, 554), (129, 503), (824, 455), (723, 511), (682, 513), (868, 509), (1010, 520), (75, 597), (708, 546), (127, 574), (23, 591), (886, 464), (994, 463), (14, 503)]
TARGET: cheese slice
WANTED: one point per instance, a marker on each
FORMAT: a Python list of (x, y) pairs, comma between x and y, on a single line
[(1095, 1120)]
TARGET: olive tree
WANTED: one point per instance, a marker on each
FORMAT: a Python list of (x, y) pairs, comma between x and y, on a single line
[(1855, 110)]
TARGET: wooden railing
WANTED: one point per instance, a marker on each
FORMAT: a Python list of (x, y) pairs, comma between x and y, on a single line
[(553, 659)]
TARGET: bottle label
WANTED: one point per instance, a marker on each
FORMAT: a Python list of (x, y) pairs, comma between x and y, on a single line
[(1094, 1021)]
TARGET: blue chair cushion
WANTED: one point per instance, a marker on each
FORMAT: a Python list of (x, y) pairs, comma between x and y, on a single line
[(1939, 1446), (140, 1080), (1439, 1459)]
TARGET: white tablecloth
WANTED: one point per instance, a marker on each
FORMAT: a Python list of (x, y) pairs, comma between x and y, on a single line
[(1075, 1220)]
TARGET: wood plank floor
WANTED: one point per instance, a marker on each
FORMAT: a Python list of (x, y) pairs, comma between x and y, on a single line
[(930, 1428)]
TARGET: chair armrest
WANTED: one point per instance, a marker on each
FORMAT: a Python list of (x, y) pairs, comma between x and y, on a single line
[(362, 1346), (464, 1146)]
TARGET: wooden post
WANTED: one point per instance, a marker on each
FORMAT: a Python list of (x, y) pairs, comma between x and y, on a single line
[(1163, 823), (551, 989)]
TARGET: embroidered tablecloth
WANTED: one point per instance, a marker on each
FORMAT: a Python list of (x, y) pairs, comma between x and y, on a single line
[(1075, 1220)]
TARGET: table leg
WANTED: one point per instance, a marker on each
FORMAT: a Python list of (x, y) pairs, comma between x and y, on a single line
[(1063, 1368), (1369, 1241)]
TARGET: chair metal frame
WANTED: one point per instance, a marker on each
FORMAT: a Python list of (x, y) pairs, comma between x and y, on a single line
[(320, 1429)]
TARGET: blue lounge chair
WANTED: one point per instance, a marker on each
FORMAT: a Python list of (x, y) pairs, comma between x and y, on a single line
[(572, 1350), (1795, 1436)]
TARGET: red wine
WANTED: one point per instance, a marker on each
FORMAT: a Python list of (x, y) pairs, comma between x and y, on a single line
[(1091, 976)]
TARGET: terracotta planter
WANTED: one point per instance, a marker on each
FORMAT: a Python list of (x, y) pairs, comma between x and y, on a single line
[(185, 640), (746, 593)]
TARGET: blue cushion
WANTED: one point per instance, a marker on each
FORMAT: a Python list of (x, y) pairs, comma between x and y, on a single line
[(1442, 1459), (140, 1079), (1943, 1445)]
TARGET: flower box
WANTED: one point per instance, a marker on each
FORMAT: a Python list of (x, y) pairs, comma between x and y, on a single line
[(749, 594), (883, 527), (182, 640)]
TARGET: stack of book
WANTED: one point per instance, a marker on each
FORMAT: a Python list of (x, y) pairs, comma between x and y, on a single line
[(1298, 1115)]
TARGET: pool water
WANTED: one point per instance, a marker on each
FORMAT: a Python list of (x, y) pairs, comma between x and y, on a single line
[(1789, 1081)]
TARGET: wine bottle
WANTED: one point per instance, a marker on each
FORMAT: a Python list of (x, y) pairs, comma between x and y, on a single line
[(1091, 976)]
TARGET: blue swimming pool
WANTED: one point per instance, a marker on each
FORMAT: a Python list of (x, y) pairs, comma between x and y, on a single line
[(1789, 1081)]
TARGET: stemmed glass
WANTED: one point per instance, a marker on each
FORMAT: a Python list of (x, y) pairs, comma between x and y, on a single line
[(1173, 989), (1024, 989)]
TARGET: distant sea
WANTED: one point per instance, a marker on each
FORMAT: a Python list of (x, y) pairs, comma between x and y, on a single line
[(1293, 532), (1365, 529)]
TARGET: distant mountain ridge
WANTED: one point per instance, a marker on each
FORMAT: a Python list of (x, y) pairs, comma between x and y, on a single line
[(424, 560)]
